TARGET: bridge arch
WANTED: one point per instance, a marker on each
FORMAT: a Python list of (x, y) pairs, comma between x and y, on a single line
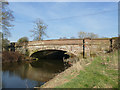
[(60, 48), (56, 52)]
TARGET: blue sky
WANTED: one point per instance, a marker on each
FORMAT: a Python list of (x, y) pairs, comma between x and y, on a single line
[(65, 19)]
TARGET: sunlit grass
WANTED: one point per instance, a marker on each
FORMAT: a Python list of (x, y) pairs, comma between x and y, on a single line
[(101, 73)]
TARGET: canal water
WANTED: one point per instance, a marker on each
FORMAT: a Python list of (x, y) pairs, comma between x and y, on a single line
[(29, 75)]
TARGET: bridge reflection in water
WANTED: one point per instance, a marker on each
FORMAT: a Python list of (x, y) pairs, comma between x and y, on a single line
[(23, 75)]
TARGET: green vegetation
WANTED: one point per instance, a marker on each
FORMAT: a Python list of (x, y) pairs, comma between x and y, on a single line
[(26, 52), (101, 73), (23, 40)]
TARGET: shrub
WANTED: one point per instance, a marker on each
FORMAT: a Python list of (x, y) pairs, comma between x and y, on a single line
[(8, 56), (23, 40)]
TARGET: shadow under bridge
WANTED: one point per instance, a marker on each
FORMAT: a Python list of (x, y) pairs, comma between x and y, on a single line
[(51, 54)]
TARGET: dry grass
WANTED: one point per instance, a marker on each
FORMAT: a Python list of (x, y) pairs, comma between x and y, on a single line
[(61, 78)]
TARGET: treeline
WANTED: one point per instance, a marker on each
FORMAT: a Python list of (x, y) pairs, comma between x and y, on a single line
[(82, 35)]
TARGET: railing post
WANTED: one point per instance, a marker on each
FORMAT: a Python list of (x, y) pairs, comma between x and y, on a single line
[(111, 45), (83, 48)]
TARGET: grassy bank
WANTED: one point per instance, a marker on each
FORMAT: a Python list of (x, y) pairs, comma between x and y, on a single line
[(97, 72)]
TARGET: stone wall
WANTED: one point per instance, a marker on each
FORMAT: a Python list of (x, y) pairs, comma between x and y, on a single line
[(74, 46)]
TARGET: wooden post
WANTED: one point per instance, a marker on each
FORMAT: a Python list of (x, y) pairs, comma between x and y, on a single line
[(110, 44), (83, 48)]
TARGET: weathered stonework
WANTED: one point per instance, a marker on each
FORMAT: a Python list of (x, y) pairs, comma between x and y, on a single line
[(74, 46)]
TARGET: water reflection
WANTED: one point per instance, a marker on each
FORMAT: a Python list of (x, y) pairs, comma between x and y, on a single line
[(28, 75)]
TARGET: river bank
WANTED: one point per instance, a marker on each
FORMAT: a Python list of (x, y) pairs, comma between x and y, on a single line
[(30, 74), (9, 56), (97, 72)]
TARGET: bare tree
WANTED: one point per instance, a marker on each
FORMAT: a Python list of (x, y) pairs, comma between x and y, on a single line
[(4, 43), (39, 29), (82, 35), (72, 38), (92, 35), (7, 17), (63, 38)]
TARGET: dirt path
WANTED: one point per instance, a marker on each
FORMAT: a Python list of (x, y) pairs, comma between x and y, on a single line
[(62, 78)]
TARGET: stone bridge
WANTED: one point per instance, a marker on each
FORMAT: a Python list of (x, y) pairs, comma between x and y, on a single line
[(84, 47)]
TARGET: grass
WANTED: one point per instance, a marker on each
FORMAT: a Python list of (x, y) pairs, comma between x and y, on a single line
[(101, 73)]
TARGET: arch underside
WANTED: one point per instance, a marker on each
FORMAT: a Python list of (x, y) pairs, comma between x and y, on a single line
[(50, 54), (69, 52)]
